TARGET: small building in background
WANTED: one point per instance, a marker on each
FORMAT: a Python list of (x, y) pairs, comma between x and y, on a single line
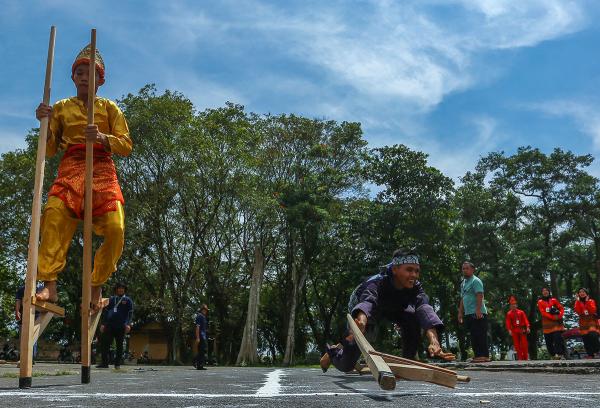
[(150, 340)]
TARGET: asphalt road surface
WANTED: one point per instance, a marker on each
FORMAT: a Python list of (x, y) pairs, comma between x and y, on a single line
[(295, 387)]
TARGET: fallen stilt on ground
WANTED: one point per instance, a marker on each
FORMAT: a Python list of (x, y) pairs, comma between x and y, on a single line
[(378, 367), (390, 358), (382, 366)]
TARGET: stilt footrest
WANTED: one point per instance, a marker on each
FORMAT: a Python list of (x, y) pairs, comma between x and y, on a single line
[(44, 306)]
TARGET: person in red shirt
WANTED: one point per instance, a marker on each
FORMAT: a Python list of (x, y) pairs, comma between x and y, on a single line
[(517, 325), (552, 323), (588, 322)]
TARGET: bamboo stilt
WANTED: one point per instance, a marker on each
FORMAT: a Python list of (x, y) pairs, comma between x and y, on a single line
[(28, 316), (86, 286)]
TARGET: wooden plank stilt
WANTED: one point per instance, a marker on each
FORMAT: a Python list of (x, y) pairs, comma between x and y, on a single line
[(416, 373), (390, 358), (28, 316), (95, 320), (379, 368), (48, 307), (86, 286), (40, 325)]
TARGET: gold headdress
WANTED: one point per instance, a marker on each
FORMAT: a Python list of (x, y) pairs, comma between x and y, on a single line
[(84, 57)]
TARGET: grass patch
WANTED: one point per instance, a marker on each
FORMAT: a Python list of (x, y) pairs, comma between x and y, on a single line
[(40, 374)]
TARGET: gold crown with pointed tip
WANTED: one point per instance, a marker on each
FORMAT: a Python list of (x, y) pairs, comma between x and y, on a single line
[(84, 57)]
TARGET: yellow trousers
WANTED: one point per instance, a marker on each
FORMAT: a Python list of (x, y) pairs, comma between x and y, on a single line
[(57, 229)]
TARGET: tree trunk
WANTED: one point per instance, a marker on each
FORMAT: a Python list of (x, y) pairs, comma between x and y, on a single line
[(298, 280), (248, 349), (532, 338)]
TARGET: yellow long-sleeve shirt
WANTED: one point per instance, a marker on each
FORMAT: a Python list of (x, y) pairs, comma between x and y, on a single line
[(69, 119)]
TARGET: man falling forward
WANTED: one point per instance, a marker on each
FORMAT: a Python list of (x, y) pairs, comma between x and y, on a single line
[(395, 295)]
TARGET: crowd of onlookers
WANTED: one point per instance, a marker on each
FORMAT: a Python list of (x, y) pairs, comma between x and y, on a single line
[(473, 312)]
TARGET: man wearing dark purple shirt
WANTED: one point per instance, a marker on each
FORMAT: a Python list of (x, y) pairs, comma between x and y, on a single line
[(395, 295)]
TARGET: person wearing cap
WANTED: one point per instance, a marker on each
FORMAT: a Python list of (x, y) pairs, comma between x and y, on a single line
[(68, 131), (518, 328), (552, 323), (116, 322), (585, 307), (201, 337), (395, 295), (473, 312)]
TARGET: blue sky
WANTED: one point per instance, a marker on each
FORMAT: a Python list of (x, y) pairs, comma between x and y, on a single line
[(453, 78)]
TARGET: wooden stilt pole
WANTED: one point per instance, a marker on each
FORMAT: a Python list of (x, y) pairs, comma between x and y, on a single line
[(86, 286), (28, 317), (379, 368)]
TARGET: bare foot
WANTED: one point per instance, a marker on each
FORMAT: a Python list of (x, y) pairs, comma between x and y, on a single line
[(48, 294), (96, 299), (325, 362)]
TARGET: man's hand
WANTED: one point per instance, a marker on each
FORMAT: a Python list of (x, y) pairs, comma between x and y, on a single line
[(102, 328), (528, 330), (127, 328), (460, 318), (197, 340), (510, 332), (361, 321), (17, 315), (93, 135), (43, 111), (434, 349)]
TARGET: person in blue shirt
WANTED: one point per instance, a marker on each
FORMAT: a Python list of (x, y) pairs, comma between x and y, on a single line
[(201, 337), (472, 311), (116, 321)]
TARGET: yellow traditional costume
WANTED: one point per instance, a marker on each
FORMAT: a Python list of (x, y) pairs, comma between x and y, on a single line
[(64, 208)]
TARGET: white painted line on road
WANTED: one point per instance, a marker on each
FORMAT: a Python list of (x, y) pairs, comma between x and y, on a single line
[(272, 387)]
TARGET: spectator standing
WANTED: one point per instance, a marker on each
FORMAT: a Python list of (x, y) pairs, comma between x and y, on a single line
[(588, 322), (552, 323), (116, 323), (472, 311), (201, 337), (518, 328)]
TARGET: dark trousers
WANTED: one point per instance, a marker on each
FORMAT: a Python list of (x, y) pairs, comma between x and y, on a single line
[(555, 343), (345, 359), (112, 333), (478, 330), (201, 356), (591, 343)]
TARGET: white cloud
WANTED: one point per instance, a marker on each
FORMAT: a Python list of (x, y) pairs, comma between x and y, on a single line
[(586, 115), (395, 51), (455, 160), (510, 24), (203, 93)]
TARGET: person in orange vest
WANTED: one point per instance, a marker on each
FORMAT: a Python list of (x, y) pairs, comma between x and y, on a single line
[(588, 323), (552, 323), (517, 325)]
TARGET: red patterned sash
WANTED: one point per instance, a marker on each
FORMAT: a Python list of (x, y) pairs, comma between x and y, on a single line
[(69, 185)]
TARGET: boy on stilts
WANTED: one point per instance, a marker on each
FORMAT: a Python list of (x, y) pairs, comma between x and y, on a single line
[(68, 131)]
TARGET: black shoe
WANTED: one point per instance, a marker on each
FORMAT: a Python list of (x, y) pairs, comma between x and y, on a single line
[(200, 368), (102, 366)]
